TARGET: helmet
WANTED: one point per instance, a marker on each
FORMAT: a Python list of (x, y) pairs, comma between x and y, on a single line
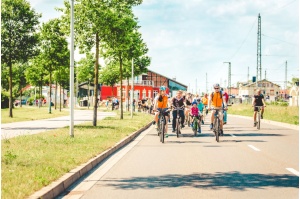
[(194, 103), (216, 85), (162, 88)]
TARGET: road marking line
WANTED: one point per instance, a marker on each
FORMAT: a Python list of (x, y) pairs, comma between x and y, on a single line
[(293, 171), (232, 135), (253, 147)]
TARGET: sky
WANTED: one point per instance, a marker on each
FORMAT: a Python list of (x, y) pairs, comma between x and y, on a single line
[(191, 39)]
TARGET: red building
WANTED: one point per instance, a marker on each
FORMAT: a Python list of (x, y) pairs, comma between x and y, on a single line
[(145, 86)]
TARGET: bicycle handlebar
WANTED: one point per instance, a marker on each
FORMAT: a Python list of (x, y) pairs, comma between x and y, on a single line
[(178, 108)]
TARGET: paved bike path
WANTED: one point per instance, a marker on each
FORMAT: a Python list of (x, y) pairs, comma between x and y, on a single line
[(14, 129)]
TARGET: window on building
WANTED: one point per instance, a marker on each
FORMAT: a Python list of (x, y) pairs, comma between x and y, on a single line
[(154, 94), (144, 77), (144, 93)]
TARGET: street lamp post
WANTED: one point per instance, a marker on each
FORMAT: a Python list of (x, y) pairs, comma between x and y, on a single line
[(229, 77), (72, 72)]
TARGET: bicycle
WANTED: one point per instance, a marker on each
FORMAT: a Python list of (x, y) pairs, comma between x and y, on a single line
[(178, 120), (258, 116), (162, 124), (216, 123), (196, 125)]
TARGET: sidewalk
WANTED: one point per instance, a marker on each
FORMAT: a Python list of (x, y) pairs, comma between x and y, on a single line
[(11, 130)]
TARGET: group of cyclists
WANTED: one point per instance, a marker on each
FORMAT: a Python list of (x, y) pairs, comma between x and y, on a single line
[(190, 107), (193, 106)]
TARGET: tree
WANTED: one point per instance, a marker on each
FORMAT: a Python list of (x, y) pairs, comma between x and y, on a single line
[(91, 25), (119, 40), (18, 36), (35, 74), (54, 50), (85, 68)]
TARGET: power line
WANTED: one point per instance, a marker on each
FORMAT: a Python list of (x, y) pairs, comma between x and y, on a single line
[(279, 40)]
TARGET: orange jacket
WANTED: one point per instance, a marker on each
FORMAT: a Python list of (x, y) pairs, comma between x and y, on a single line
[(217, 100), (205, 100), (163, 103)]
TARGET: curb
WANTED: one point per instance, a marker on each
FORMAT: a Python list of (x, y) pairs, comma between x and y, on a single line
[(59, 186), (286, 125)]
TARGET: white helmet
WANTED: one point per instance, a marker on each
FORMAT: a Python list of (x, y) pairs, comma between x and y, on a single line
[(216, 85)]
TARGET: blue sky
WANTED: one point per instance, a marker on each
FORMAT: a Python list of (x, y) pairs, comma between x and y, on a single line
[(188, 39)]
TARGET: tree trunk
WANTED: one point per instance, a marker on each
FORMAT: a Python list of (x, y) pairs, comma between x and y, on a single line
[(50, 91), (21, 98), (121, 85), (10, 88), (112, 95), (127, 91), (59, 98), (96, 81), (55, 95)]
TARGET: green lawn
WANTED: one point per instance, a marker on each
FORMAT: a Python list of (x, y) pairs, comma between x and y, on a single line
[(28, 113), (34, 161), (285, 114)]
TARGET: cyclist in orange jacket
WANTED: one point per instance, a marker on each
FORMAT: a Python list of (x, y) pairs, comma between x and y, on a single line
[(216, 100)]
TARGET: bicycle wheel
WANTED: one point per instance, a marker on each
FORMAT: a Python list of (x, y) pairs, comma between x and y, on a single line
[(188, 120), (195, 126), (199, 125), (162, 135), (258, 120), (177, 127), (158, 127), (217, 129)]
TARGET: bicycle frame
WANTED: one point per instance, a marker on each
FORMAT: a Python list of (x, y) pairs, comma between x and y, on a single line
[(258, 116), (178, 120), (216, 124), (162, 124)]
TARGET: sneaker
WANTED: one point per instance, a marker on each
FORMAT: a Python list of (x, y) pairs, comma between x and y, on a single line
[(199, 131), (224, 122), (221, 133), (254, 124), (153, 122), (182, 126), (261, 116), (166, 135), (211, 126)]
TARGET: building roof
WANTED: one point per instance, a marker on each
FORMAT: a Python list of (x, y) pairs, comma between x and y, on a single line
[(261, 81), (168, 78)]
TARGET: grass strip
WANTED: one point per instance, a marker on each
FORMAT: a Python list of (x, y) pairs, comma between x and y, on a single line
[(29, 113), (285, 114), (33, 161)]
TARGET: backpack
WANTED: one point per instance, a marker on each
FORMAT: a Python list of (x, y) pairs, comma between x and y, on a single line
[(212, 95)]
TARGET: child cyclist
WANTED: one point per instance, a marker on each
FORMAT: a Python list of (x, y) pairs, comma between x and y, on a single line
[(195, 113), (200, 106)]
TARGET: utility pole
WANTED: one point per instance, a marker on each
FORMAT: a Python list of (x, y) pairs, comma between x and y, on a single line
[(258, 68), (285, 81), (265, 74), (206, 84), (248, 75), (196, 87), (229, 77)]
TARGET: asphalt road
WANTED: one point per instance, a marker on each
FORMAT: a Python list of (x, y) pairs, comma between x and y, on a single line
[(11, 130), (246, 163)]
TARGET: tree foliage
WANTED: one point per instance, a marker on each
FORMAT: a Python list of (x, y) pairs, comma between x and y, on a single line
[(19, 40)]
